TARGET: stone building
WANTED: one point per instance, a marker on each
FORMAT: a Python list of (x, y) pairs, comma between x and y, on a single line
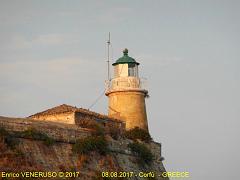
[(79, 116), (126, 93)]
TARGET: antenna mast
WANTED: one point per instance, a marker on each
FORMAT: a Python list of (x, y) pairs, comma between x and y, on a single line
[(108, 43)]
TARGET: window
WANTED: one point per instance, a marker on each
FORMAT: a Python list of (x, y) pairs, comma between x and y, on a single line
[(132, 70)]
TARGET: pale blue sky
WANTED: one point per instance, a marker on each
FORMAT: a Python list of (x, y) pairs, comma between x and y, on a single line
[(54, 52)]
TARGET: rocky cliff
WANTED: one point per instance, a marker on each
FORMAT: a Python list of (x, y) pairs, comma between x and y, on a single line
[(51, 150)]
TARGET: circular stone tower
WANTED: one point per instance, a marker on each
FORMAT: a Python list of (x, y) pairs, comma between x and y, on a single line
[(126, 93)]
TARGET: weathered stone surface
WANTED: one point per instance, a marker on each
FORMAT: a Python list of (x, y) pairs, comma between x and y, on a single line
[(36, 156), (134, 113), (58, 131), (72, 115)]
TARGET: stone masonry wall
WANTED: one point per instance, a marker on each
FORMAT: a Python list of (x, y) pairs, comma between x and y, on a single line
[(58, 131), (59, 156), (67, 133)]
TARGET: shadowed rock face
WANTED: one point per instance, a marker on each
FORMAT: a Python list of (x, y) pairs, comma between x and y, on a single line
[(34, 155)]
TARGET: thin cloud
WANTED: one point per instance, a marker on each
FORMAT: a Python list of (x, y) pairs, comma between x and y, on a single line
[(20, 41), (54, 70), (54, 39)]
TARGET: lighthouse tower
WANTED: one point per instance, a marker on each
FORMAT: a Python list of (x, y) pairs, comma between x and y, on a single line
[(126, 93)]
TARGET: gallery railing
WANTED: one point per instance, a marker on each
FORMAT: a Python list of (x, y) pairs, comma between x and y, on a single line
[(126, 83)]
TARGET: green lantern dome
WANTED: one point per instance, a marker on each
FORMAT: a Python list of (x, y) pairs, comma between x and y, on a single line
[(125, 59)]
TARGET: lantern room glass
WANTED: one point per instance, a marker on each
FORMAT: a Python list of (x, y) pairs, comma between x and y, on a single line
[(132, 70)]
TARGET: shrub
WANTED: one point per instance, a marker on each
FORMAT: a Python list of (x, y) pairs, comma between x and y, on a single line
[(9, 139), (89, 144), (3, 132), (138, 133), (114, 131), (12, 141), (48, 141), (144, 154), (90, 124), (98, 130), (34, 134)]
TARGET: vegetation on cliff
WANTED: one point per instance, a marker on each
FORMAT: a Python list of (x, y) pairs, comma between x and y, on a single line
[(8, 138), (100, 129), (138, 133), (95, 151), (91, 143), (34, 134), (11, 140), (12, 158), (143, 153)]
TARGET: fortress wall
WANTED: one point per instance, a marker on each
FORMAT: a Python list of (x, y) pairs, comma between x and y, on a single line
[(58, 131), (59, 156), (67, 133)]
